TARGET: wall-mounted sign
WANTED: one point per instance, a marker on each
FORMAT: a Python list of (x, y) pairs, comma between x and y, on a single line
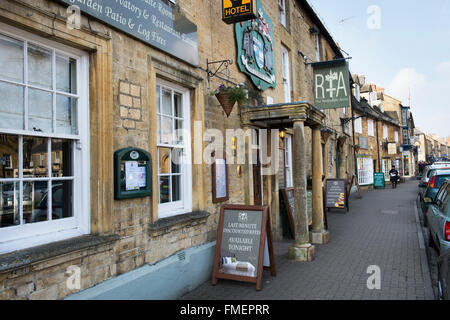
[(364, 143), (132, 174), (331, 84), (238, 10), (255, 49), (243, 234), (219, 175), (155, 22), (392, 148)]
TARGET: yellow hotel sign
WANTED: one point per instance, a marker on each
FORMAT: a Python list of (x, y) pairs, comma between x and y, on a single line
[(238, 10)]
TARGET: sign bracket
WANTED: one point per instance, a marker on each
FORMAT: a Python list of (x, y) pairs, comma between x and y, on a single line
[(223, 63)]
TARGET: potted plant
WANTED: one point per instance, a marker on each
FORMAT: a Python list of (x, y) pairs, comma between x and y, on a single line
[(229, 95)]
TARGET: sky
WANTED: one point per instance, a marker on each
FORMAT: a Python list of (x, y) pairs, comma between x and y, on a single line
[(402, 46)]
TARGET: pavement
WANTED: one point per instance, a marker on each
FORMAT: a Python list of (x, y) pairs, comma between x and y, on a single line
[(382, 229)]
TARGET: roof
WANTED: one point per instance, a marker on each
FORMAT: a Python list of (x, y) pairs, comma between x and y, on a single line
[(324, 32), (392, 114), (363, 107)]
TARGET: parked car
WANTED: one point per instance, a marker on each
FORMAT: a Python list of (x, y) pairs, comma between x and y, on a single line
[(438, 219), (444, 276), (428, 172), (436, 180)]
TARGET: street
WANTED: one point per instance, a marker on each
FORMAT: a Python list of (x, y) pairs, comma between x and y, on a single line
[(382, 229)]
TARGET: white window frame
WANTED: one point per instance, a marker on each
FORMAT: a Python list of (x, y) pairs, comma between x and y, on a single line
[(358, 125), (317, 46), (33, 234), (282, 12), (288, 162), (370, 128), (385, 133), (358, 92), (185, 205), (396, 136), (286, 75)]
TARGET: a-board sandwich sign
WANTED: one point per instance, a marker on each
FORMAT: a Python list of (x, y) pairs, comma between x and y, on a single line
[(241, 242), (287, 207), (336, 194)]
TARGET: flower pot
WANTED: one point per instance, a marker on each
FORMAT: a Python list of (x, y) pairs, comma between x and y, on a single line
[(225, 102)]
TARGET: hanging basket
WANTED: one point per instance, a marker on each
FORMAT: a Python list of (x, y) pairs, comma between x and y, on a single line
[(225, 102)]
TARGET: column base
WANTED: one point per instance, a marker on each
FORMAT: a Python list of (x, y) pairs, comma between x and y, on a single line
[(304, 253), (319, 237)]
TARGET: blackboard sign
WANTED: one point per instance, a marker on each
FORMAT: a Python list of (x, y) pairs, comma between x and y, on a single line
[(336, 194), (241, 238), (378, 180), (152, 21), (287, 207)]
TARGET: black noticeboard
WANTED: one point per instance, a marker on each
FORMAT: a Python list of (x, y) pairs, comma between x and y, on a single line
[(336, 194), (241, 243), (287, 207)]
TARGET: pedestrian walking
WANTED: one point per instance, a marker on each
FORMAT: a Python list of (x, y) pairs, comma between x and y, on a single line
[(394, 177)]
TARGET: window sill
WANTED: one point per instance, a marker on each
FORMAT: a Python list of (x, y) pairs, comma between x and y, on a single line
[(167, 225), (26, 257)]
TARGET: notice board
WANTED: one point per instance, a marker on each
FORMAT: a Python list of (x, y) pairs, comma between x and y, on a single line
[(241, 239)]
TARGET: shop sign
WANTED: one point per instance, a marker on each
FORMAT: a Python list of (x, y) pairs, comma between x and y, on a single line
[(336, 194), (238, 10), (331, 84), (392, 148), (153, 21), (255, 45), (364, 143)]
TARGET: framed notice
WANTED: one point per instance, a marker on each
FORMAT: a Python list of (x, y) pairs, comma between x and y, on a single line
[(220, 191), (336, 194), (244, 233)]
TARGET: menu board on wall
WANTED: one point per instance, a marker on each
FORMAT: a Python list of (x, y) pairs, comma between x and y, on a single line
[(155, 22), (242, 236)]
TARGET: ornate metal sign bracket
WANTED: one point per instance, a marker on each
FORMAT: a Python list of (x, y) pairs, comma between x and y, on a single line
[(223, 63)]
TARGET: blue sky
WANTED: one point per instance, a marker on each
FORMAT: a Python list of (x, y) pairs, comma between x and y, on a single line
[(409, 51)]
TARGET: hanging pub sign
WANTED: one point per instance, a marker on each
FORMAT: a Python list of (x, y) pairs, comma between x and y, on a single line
[(155, 22), (238, 10), (331, 84), (255, 49), (244, 244)]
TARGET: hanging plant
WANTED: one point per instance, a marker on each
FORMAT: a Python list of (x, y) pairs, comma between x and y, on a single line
[(229, 95)]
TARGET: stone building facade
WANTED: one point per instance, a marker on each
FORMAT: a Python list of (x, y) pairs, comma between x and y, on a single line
[(122, 86)]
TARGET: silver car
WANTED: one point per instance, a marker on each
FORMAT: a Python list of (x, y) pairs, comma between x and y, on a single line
[(438, 219)]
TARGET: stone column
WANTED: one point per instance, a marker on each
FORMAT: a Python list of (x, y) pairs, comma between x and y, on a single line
[(318, 235), (301, 250)]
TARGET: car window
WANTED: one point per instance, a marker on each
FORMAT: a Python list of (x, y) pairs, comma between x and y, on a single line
[(445, 202), (441, 193), (440, 180)]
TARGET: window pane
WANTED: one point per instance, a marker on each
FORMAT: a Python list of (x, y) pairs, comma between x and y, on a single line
[(35, 157), (164, 194), (177, 157), (11, 106), (167, 130), (9, 153), (166, 102), (66, 110), (11, 59), (178, 105), (61, 158), (66, 74), (164, 160), (39, 66), (176, 188), (40, 110), (158, 99), (62, 200), (9, 204), (158, 129), (179, 132), (35, 197)]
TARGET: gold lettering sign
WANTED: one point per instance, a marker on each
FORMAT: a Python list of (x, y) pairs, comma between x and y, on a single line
[(238, 10)]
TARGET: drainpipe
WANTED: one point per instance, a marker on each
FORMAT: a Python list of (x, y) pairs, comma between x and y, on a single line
[(378, 149)]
